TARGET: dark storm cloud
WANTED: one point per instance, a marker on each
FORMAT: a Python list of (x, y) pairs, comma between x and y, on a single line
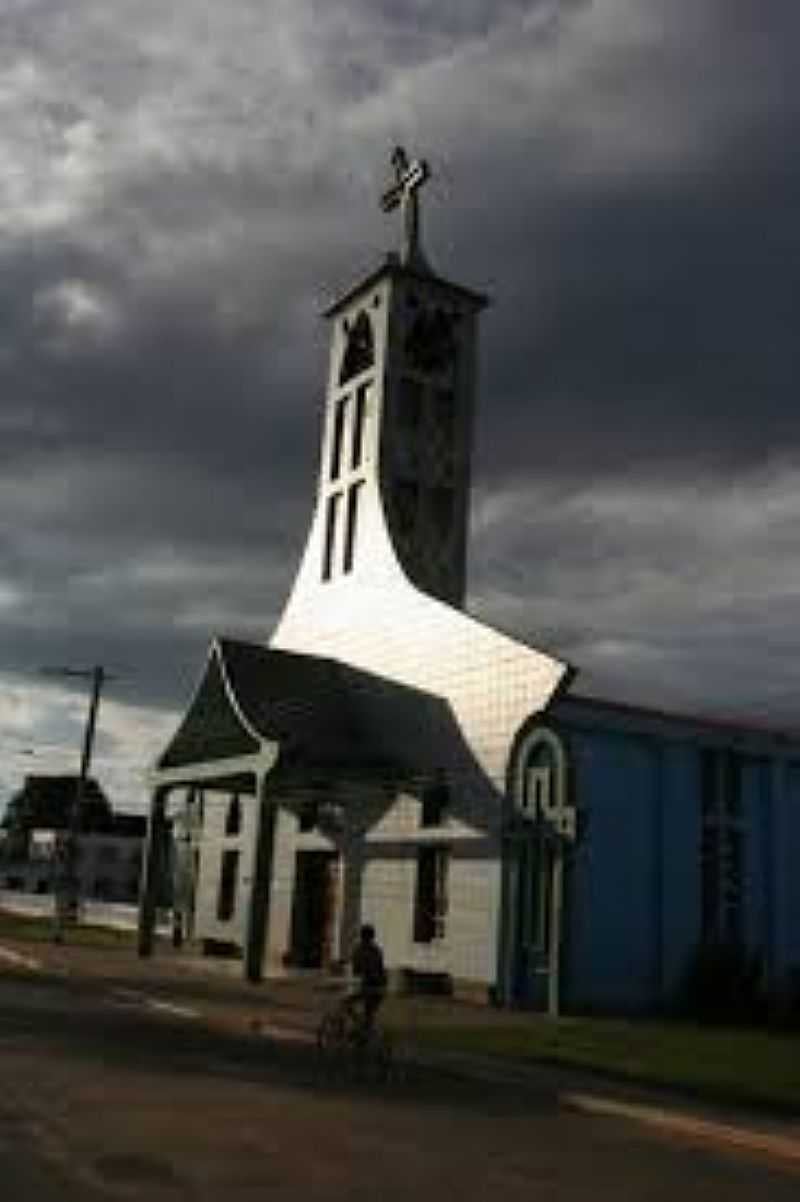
[(644, 315), (682, 594), (660, 331)]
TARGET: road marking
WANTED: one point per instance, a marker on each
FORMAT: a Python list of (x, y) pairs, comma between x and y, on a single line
[(781, 1147), (172, 1008), (126, 996), (23, 961), (280, 1033), (132, 997)]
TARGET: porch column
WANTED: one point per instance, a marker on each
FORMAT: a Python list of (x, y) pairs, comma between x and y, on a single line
[(152, 871), (351, 892), (556, 925), (258, 911)]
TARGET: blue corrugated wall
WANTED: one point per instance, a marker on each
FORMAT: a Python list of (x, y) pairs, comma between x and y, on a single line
[(633, 899)]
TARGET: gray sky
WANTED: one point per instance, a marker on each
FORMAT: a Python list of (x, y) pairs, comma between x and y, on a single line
[(184, 187)]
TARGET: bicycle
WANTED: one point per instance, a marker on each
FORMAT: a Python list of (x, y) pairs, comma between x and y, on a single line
[(351, 1049)]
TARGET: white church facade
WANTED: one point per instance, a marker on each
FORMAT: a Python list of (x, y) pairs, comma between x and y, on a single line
[(385, 757)]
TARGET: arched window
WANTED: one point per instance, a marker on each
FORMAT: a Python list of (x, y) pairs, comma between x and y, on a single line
[(430, 343), (359, 351), (233, 819), (540, 792)]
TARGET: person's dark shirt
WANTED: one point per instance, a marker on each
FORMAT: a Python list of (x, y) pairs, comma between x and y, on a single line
[(368, 965)]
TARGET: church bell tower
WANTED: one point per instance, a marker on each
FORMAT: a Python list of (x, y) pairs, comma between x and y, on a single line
[(393, 489)]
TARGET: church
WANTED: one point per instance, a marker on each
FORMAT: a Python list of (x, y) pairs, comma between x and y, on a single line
[(384, 757)]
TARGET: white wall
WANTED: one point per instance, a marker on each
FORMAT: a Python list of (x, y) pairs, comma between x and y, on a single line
[(388, 886), (214, 843)]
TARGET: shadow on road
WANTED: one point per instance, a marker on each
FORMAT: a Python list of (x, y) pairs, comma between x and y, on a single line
[(78, 1019)]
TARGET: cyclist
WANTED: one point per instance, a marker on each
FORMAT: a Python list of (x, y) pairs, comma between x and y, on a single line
[(368, 966)]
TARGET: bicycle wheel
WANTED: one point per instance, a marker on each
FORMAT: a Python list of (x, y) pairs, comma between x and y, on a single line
[(331, 1034), (376, 1060), (333, 1046), (385, 1057)]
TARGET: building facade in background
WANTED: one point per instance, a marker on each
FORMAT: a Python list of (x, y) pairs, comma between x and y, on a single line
[(109, 845)]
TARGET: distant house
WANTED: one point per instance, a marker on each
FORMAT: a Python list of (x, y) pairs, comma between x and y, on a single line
[(109, 845)]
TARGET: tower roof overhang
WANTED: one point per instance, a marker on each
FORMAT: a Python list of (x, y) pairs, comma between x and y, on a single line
[(393, 269)]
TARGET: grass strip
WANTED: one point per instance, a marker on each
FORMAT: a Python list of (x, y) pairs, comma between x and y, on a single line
[(739, 1066), (36, 929)]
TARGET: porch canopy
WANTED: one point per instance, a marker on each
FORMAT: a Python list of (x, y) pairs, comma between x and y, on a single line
[(282, 725)]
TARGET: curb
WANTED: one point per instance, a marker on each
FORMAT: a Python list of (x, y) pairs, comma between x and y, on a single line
[(780, 1149)]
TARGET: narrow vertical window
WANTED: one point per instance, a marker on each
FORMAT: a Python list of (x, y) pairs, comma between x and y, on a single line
[(226, 898), (721, 847), (350, 529), (430, 901), (358, 427), (233, 818), (331, 517), (338, 438), (541, 878)]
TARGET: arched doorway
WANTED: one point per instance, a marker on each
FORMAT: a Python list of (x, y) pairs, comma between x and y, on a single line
[(540, 826)]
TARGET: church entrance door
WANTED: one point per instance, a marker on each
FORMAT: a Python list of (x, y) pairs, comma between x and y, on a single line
[(533, 922), (314, 908), (542, 826)]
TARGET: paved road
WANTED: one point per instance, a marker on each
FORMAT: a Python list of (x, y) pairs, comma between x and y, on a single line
[(103, 1095)]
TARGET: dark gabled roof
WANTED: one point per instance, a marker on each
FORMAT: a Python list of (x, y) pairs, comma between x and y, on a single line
[(294, 699), (328, 718), (46, 801), (211, 729)]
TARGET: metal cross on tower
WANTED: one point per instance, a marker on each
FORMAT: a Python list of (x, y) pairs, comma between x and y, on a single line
[(409, 177)]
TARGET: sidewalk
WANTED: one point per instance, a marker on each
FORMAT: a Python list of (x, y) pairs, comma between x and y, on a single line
[(287, 1009)]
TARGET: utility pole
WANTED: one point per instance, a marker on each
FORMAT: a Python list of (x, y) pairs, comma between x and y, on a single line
[(67, 892)]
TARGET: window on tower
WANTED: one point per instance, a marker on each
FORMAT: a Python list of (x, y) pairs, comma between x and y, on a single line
[(339, 419), (353, 497), (359, 351), (331, 519), (430, 343), (358, 427)]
